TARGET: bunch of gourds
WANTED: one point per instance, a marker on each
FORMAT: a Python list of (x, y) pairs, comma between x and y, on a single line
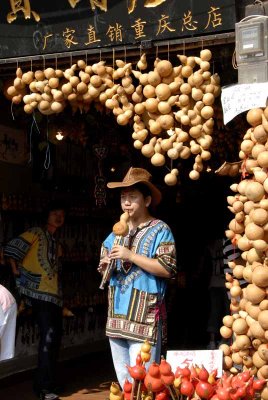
[(174, 111), (248, 323), (171, 107)]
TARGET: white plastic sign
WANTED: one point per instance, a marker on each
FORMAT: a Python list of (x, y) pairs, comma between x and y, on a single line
[(236, 99), (211, 359)]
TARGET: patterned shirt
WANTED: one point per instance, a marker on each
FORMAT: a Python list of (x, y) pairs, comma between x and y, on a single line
[(37, 254), (136, 297)]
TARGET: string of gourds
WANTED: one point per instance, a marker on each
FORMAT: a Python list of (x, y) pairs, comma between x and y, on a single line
[(170, 107), (248, 322)]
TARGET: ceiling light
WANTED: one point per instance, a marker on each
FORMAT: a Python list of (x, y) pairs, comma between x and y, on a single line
[(59, 135)]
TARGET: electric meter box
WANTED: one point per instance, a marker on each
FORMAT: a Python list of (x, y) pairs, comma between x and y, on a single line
[(251, 40), (253, 72)]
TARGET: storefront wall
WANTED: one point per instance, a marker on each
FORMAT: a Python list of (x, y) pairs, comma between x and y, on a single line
[(77, 339)]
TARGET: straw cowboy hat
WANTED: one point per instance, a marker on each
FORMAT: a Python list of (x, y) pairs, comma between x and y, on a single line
[(138, 175)]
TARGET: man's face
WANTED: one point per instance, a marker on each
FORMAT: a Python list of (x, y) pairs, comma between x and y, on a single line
[(56, 218), (133, 202)]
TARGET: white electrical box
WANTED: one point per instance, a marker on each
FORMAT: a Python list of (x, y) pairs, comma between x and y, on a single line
[(252, 49), (253, 72)]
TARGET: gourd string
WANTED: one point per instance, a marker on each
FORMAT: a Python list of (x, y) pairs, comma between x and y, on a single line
[(100, 54), (156, 51), (113, 61), (56, 62), (47, 159), (140, 59), (47, 156), (31, 133), (169, 170), (168, 51), (37, 127), (30, 143), (11, 110)]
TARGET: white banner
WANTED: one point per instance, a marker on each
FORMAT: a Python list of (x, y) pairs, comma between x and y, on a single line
[(236, 99), (211, 359)]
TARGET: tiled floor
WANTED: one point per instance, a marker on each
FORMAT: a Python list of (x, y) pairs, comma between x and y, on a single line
[(93, 372)]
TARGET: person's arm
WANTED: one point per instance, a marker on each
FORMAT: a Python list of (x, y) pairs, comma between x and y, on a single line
[(17, 248), (162, 265), (14, 266), (151, 265)]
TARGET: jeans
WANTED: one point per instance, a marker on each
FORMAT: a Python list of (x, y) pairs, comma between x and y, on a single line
[(124, 352), (49, 320)]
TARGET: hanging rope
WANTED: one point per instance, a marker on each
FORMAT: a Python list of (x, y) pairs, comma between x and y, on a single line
[(11, 110), (113, 61), (30, 143), (47, 156), (30, 139), (234, 64), (34, 121)]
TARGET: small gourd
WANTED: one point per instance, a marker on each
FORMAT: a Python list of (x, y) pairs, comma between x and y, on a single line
[(171, 178), (142, 63), (148, 149)]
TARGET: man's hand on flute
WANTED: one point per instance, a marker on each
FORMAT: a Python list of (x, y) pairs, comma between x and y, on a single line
[(121, 252), (104, 262)]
